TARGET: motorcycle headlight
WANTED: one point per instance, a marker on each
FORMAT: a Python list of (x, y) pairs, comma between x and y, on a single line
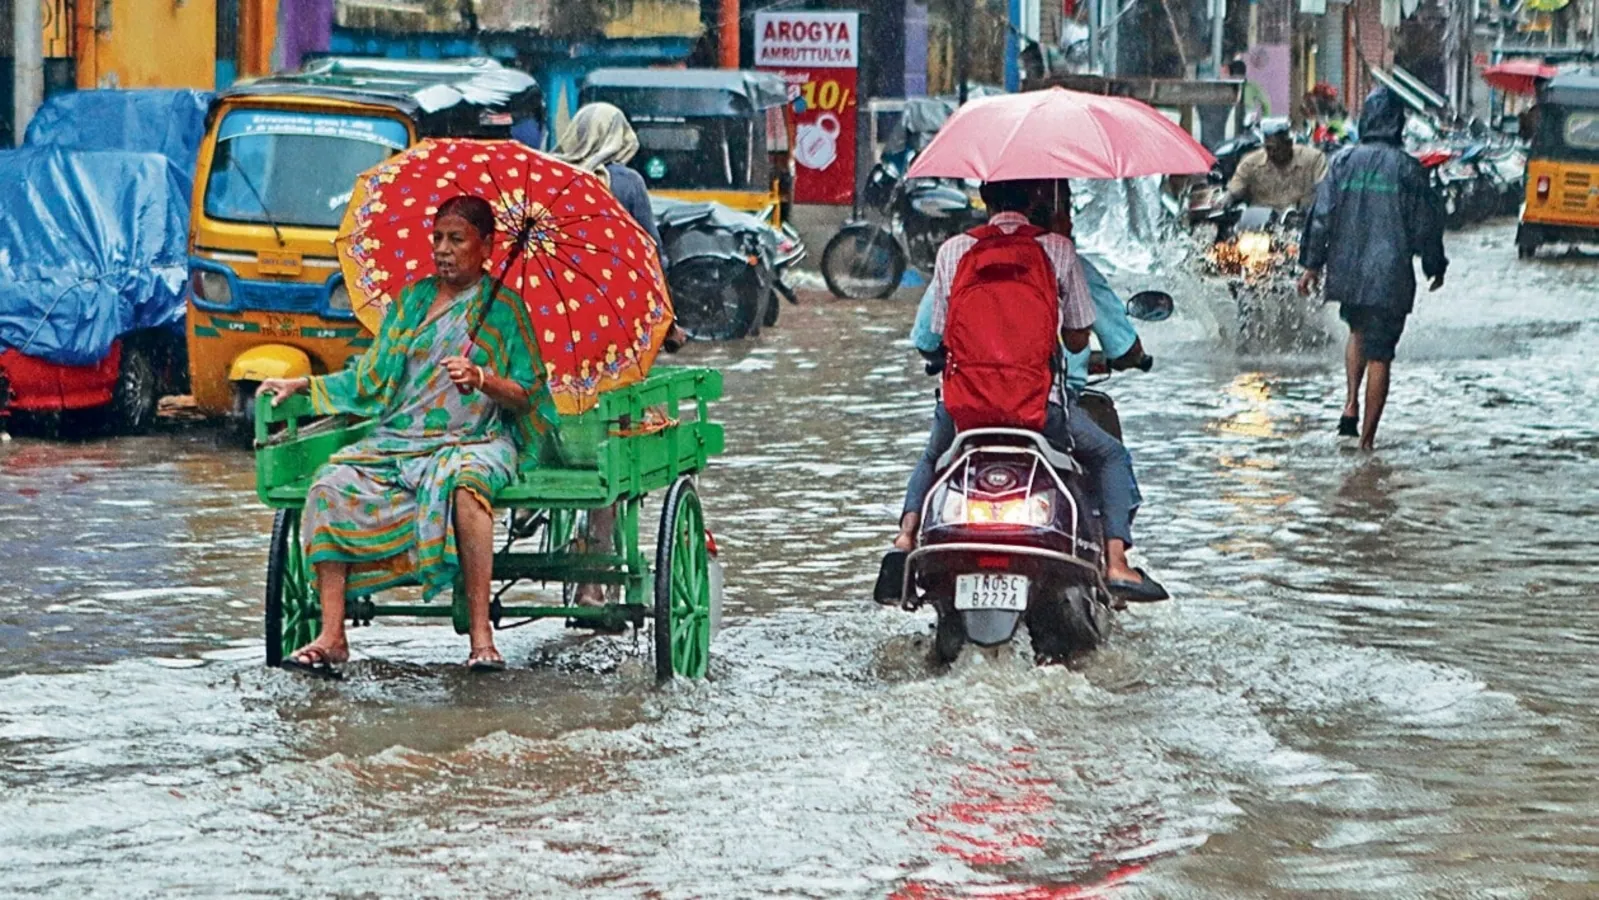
[(213, 287), (339, 299)]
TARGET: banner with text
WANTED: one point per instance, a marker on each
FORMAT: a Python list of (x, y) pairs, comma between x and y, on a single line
[(818, 54)]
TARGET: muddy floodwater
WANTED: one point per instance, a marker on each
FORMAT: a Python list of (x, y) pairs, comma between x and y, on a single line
[(1378, 676)]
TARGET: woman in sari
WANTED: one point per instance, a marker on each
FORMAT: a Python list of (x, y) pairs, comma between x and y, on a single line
[(454, 383)]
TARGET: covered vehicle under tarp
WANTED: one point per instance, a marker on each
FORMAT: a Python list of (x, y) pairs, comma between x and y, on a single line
[(93, 245), (168, 122)]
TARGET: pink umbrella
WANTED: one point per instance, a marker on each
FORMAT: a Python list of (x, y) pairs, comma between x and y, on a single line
[(1518, 76), (1059, 134)]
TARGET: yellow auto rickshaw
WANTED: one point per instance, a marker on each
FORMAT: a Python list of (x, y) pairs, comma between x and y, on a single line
[(275, 173), (1562, 203), (707, 134)]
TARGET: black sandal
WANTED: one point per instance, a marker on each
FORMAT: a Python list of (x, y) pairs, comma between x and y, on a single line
[(1348, 426), (315, 664)]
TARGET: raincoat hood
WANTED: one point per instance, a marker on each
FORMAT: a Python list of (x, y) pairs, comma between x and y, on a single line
[(599, 135), (1382, 118)]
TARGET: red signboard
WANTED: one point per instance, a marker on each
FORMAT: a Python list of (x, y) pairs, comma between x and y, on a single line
[(818, 54)]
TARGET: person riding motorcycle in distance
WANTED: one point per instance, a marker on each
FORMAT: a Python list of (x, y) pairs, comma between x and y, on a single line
[(1009, 203), (1282, 175)]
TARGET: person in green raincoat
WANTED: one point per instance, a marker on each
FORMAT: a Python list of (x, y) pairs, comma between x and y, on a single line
[(456, 387)]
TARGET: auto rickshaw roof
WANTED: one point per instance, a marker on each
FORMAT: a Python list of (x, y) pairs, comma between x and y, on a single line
[(686, 92), (1572, 89), (416, 88)]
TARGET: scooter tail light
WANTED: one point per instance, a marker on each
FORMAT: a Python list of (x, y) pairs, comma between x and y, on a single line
[(1543, 187), (993, 562)]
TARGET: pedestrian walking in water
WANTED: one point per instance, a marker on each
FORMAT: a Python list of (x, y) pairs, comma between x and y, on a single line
[(1373, 214)]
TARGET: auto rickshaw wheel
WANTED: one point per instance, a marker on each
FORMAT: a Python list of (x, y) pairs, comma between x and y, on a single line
[(293, 615), (133, 397), (682, 586)]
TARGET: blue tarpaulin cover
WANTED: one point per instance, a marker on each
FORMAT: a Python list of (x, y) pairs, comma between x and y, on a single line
[(93, 245), (94, 231), (168, 122)]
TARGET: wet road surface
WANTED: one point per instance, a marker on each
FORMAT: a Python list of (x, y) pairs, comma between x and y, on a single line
[(1377, 679)]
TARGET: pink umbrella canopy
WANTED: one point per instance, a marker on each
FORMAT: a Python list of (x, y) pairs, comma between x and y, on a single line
[(1518, 76), (1059, 134)]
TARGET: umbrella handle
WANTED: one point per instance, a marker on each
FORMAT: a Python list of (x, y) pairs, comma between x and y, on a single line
[(518, 247)]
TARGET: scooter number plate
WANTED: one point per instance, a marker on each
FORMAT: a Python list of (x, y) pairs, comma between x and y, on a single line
[(991, 592)]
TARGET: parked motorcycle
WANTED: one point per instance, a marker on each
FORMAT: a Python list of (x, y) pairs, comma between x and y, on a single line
[(867, 260), (723, 267), (1011, 535)]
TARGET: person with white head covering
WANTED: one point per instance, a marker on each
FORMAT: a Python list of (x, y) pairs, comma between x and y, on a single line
[(600, 140)]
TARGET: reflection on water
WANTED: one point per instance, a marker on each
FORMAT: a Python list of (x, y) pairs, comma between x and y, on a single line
[(1377, 678)]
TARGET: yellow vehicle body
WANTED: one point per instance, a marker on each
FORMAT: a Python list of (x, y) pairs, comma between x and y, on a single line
[(1571, 197), (278, 321), (752, 202), (1562, 201)]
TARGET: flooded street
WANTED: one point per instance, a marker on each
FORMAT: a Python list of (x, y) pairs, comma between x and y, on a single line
[(1378, 676)]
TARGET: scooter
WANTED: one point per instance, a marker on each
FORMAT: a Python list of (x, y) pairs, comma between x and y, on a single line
[(867, 260), (1010, 535)]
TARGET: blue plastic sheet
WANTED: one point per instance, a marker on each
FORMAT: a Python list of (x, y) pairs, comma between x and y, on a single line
[(93, 245), (168, 122)]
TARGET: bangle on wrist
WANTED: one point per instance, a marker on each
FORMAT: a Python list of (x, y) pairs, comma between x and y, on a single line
[(480, 377)]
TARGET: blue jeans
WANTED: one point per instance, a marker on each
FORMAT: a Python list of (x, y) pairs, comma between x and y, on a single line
[(1109, 465)]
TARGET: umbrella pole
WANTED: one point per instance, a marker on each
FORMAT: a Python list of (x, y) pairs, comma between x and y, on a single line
[(518, 247)]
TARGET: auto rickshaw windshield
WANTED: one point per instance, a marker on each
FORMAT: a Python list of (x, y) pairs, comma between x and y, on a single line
[(292, 168), (698, 153)]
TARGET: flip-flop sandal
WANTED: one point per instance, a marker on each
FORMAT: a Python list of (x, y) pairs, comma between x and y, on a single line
[(1144, 590), (1348, 426), (320, 667), (485, 664)]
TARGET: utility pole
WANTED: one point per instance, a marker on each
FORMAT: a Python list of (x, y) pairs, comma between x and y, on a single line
[(963, 48), (27, 66), (1218, 9), (727, 35), (1094, 13)]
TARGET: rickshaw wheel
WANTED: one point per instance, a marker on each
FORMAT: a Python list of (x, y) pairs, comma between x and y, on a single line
[(293, 616), (682, 587)]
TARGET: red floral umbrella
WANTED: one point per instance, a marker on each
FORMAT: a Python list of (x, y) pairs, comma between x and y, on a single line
[(589, 275), (1518, 76)]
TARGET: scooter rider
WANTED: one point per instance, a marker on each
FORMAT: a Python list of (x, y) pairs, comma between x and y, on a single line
[(1282, 175), (1104, 456)]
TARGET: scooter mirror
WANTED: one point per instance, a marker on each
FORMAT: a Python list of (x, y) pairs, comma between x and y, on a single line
[(1150, 306)]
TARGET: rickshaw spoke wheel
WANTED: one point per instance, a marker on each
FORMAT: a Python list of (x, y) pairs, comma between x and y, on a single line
[(682, 587), (293, 617)]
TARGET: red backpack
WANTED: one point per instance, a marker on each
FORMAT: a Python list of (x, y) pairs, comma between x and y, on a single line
[(1002, 332)]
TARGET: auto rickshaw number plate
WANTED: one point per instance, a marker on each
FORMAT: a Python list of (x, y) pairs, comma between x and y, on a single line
[(991, 592), (278, 263)]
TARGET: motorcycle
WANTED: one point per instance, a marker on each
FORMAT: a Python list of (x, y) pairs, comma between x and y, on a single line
[(1009, 535), (867, 260), (724, 268)]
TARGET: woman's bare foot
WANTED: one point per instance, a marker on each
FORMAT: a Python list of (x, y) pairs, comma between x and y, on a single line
[(485, 658), (321, 652)]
